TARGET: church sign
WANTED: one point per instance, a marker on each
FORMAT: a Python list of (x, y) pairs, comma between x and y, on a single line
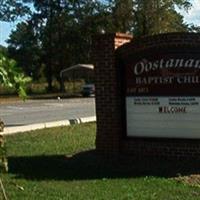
[(162, 94), (148, 95)]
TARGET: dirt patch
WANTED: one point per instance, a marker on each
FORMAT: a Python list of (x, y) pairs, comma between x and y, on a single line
[(193, 180)]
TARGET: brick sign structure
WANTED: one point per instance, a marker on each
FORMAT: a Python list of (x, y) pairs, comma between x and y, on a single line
[(148, 94)]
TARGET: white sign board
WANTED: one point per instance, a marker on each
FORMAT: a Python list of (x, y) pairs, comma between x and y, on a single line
[(156, 116)]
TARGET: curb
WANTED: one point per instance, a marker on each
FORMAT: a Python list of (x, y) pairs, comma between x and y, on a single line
[(32, 127)]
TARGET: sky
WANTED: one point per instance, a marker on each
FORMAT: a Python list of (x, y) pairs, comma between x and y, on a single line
[(193, 16)]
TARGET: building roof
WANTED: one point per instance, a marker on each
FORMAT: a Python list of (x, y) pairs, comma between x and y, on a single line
[(78, 67)]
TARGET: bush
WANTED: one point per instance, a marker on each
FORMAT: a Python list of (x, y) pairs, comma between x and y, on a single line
[(11, 76)]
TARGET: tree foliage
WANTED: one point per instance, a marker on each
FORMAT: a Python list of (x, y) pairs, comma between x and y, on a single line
[(58, 33), (24, 47), (10, 10), (11, 76), (159, 17), (63, 30), (147, 17)]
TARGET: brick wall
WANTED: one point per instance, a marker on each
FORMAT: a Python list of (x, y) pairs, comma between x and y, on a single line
[(109, 103), (107, 91)]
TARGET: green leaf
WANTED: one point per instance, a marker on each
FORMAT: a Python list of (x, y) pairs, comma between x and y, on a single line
[(11, 76)]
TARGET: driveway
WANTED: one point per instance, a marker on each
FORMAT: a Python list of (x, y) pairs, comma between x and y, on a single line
[(38, 111)]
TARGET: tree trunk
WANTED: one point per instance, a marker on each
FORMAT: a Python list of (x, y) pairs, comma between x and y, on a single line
[(49, 78), (49, 67)]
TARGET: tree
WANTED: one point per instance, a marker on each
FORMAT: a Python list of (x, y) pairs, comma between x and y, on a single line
[(122, 13), (65, 32), (3, 50), (147, 17), (59, 32), (24, 48), (10, 10), (156, 16), (194, 28)]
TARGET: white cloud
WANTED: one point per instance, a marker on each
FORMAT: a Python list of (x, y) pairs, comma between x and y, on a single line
[(193, 15)]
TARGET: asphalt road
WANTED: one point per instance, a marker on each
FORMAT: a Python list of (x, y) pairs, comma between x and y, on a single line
[(38, 111)]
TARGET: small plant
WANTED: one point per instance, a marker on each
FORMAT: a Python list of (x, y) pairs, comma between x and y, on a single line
[(3, 159), (3, 165), (11, 76)]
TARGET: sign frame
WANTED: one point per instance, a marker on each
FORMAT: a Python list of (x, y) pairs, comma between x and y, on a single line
[(130, 57)]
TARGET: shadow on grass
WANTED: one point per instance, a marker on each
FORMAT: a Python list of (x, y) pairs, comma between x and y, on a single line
[(87, 165)]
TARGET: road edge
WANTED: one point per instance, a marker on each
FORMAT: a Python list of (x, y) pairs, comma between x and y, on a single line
[(32, 127)]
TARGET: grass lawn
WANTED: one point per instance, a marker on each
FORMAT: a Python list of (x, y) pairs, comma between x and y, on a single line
[(60, 163)]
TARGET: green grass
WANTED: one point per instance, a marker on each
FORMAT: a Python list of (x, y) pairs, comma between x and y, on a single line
[(61, 164)]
